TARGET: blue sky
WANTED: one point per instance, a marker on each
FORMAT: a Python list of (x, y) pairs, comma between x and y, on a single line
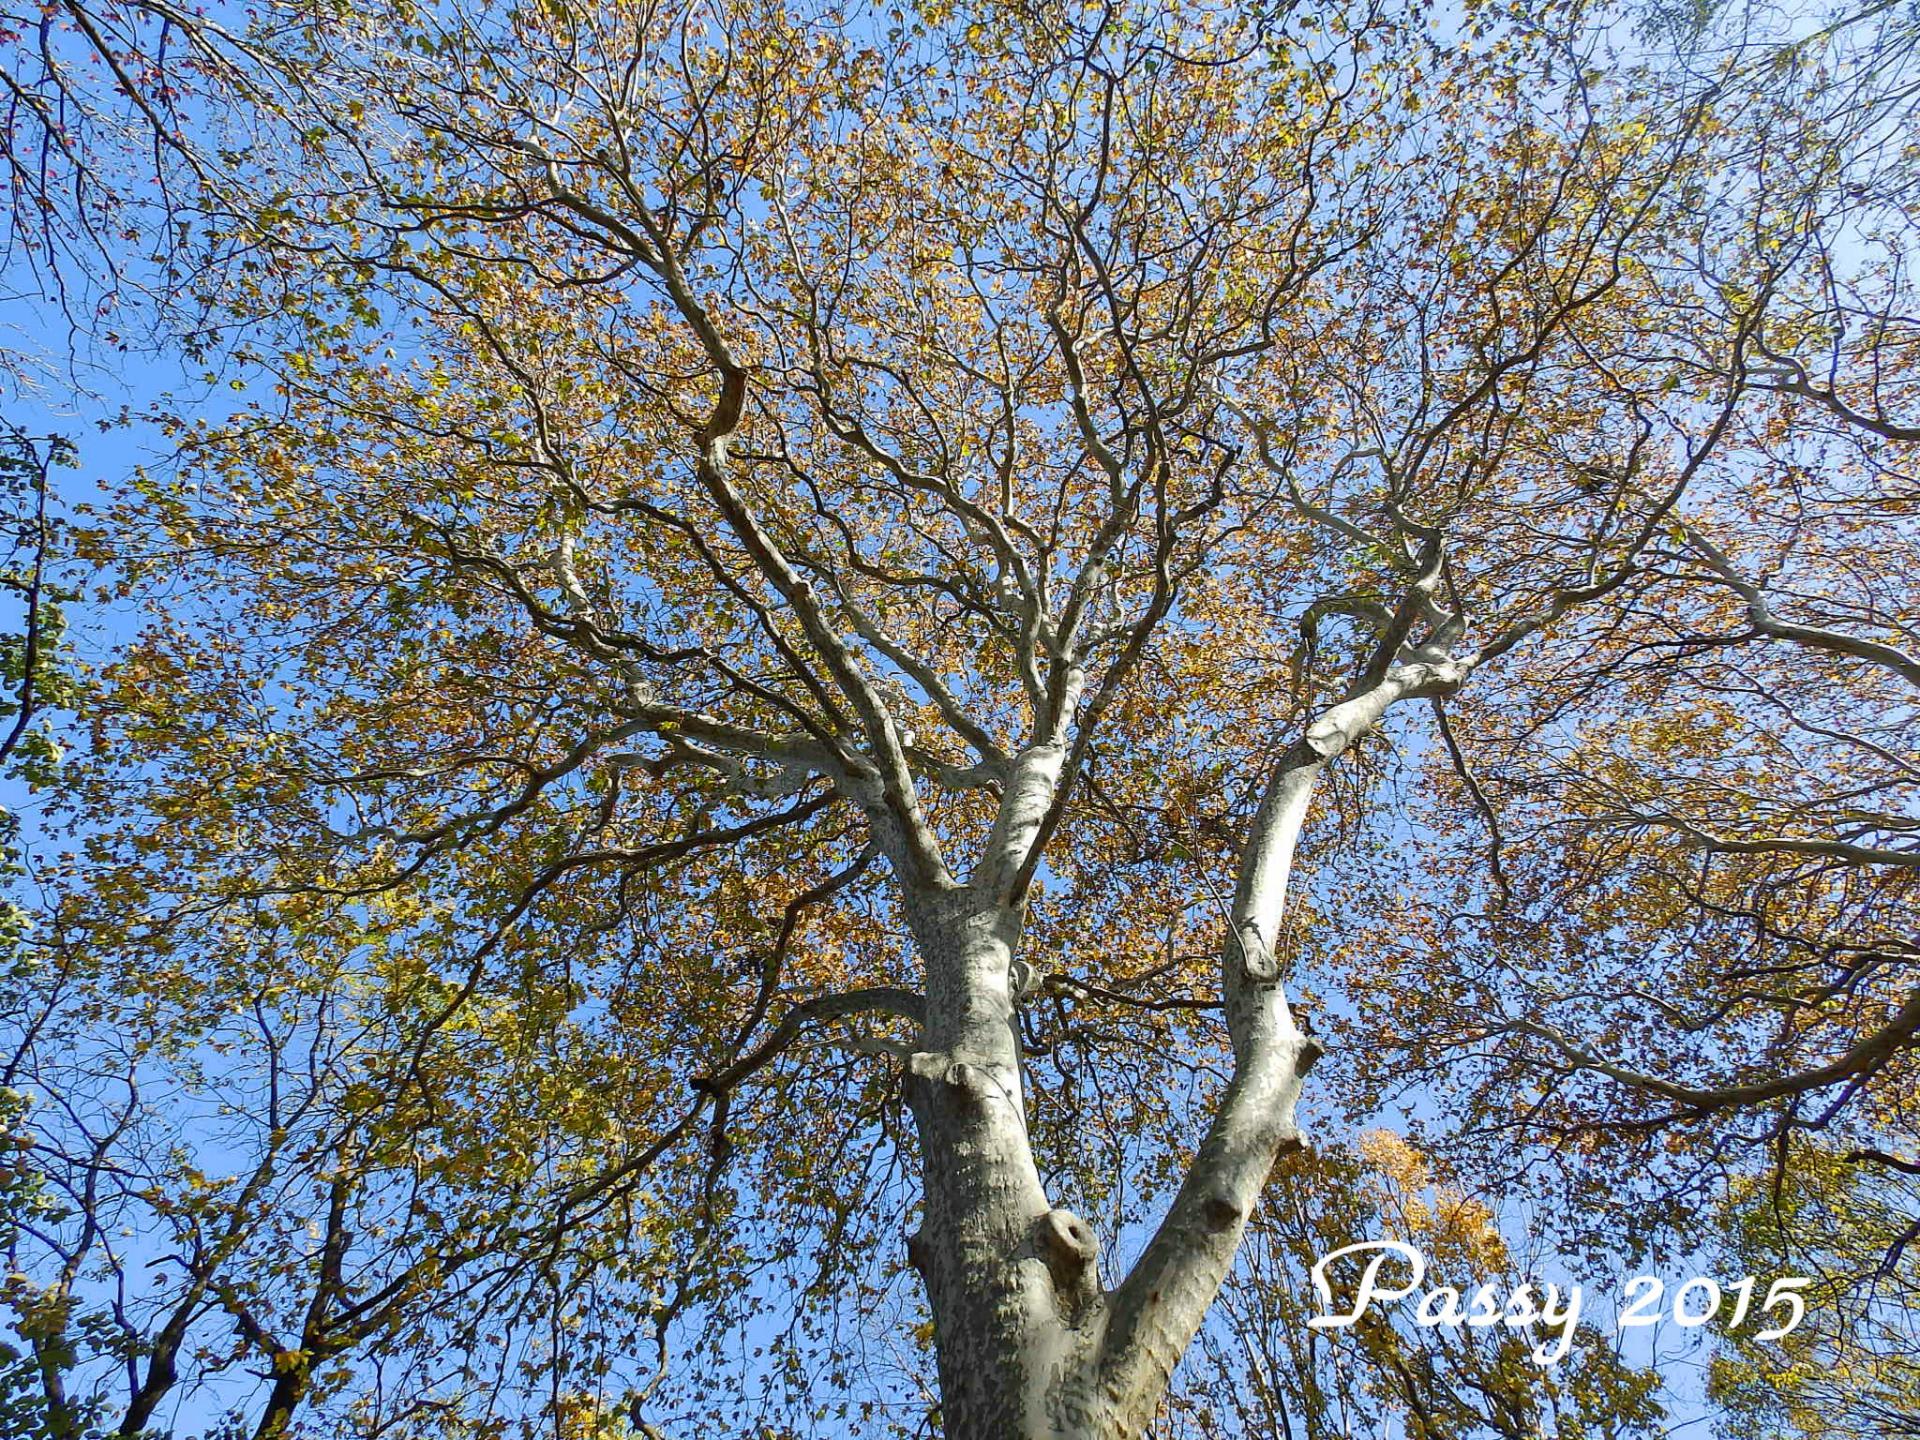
[(84, 388)]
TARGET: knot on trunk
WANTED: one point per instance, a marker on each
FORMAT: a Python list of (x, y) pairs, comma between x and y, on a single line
[(1256, 956), (966, 1086), (1308, 1055), (1220, 1212), (1024, 980), (1067, 1244)]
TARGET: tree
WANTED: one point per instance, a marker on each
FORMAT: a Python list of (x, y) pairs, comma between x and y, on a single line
[(1855, 1368), (1266, 1371), (36, 581), (791, 562), (1725, 774), (115, 115)]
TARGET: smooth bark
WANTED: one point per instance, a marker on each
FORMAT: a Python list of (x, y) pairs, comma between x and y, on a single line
[(1031, 1344)]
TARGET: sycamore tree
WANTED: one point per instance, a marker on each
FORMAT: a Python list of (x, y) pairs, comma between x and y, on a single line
[(813, 614)]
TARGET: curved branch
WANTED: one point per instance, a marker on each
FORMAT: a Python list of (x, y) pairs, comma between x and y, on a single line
[(1869, 1055)]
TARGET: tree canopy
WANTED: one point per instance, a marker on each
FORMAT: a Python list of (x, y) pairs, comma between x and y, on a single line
[(825, 648)]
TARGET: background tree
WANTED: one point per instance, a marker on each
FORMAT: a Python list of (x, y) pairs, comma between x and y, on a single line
[(1855, 1368), (1260, 1369), (1700, 832)]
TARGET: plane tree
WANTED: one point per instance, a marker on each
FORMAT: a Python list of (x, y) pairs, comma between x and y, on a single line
[(790, 593)]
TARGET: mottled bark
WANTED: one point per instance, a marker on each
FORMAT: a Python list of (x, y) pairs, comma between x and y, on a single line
[(1031, 1345), (992, 1263)]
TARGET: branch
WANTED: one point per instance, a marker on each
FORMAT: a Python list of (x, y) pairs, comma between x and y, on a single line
[(1159, 1306), (1867, 1056), (1761, 616)]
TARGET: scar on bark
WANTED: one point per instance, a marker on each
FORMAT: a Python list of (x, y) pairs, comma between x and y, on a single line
[(966, 1085), (1256, 956), (917, 1253), (1068, 1245)]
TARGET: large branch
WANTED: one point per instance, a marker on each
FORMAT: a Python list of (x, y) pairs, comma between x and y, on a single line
[(819, 1010), (1797, 382), (893, 804), (1158, 1308), (1772, 844)]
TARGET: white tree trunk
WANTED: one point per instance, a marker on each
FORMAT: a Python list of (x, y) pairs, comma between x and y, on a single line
[(1031, 1345)]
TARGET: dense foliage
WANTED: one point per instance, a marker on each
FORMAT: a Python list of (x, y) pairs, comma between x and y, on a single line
[(1419, 506)]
